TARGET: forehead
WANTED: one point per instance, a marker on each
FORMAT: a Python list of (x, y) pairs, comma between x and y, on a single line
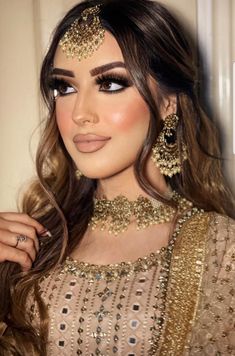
[(109, 51)]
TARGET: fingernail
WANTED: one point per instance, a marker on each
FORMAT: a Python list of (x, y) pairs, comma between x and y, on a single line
[(45, 233)]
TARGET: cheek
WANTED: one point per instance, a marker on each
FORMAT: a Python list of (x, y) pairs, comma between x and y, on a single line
[(63, 115), (130, 114)]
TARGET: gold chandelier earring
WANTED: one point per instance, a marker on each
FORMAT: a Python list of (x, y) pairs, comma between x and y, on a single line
[(165, 153)]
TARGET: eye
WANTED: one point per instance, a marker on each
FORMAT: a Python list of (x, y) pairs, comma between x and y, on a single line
[(112, 83), (110, 86), (61, 88)]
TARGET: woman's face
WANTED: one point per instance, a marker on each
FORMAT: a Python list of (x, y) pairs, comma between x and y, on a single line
[(96, 97)]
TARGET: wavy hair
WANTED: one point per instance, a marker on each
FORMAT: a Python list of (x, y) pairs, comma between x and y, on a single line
[(153, 44)]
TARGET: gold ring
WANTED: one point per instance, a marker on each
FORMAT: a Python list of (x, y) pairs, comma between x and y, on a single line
[(20, 238)]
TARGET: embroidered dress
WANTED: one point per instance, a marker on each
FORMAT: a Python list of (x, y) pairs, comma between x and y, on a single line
[(121, 309), (102, 311)]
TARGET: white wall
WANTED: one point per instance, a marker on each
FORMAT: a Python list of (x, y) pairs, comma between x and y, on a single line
[(216, 33), (19, 96)]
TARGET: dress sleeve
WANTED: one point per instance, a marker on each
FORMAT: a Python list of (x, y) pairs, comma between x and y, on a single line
[(213, 332)]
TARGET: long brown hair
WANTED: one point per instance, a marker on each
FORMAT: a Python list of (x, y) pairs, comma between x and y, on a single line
[(153, 43)]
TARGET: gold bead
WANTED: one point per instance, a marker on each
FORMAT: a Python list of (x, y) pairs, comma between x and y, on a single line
[(116, 214), (81, 39)]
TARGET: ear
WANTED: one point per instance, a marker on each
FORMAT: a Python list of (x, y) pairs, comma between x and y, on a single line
[(169, 106)]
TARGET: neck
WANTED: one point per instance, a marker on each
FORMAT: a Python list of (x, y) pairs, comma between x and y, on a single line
[(125, 183)]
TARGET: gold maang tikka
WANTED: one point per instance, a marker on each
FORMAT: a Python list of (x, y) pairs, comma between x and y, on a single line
[(115, 215), (85, 35)]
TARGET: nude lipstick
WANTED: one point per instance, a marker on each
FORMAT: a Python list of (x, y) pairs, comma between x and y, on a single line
[(89, 143)]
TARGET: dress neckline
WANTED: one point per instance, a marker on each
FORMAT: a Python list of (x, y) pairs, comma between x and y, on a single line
[(117, 270), (112, 271)]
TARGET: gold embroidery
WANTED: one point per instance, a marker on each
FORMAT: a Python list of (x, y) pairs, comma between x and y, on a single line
[(213, 330), (112, 271), (208, 336), (125, 269), (184, 284)]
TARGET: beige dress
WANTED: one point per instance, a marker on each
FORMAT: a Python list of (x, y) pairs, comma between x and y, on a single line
[(124, 309)]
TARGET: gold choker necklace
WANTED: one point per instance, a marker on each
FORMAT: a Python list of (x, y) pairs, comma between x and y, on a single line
[(116, 214)]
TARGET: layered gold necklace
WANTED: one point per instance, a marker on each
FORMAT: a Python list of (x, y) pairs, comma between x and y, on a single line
[(117, 214)]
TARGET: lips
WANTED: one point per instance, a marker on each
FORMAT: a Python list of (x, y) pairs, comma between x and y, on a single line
[(90, 142)]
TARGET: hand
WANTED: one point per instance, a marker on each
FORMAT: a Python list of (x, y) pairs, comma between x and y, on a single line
[(18, 238)]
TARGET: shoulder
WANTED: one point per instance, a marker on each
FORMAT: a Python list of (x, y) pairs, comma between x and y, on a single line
[(221, 238), (213, 329), (220, 253), (214, 235), (223, 225), (219, 230)]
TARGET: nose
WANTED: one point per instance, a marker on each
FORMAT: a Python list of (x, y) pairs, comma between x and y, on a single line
[(83, 112)]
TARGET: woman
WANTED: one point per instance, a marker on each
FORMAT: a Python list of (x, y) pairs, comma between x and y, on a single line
[(126, 241)]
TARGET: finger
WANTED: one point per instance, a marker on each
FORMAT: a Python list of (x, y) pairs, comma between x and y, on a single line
[(24, 243), (24, 219), (19, 228), (8, 238), (11, 254), (13, 240)]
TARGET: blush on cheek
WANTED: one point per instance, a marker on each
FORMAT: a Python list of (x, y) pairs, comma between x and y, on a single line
[(63, 118), (129, 115)]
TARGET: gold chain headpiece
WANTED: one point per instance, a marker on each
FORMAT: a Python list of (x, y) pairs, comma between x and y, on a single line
[(85, 35), (116, 214)]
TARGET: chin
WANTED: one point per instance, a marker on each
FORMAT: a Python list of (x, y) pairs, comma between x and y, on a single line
[(100, 172), (97, 175), (104, 168)]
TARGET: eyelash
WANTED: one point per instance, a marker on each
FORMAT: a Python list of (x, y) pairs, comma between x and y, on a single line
[(114, 78), (56, 84)]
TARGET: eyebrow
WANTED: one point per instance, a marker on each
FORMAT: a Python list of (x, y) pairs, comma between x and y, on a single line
[(106, 67), (93, 72), (67, 73)]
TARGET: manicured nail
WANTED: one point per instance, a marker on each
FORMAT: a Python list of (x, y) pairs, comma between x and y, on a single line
[(45, 233)]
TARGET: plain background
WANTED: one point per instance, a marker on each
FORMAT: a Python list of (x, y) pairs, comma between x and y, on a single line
[(25, 28)]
